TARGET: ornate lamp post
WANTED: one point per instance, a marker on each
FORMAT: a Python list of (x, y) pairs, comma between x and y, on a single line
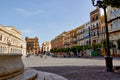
[(108, 58)]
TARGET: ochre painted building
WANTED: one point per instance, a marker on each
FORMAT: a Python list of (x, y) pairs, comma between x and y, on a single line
[(95, 26), (58, 42), (32, 45)]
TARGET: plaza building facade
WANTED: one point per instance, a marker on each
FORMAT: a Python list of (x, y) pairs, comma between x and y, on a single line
[(80, 35), (87, 39), (46, 46), (95, 26), (71, 37), (67, 40), (11, 40), (94, 31), (58, 42), (114, 27), (102, 28), (102, 33), (32, 45)]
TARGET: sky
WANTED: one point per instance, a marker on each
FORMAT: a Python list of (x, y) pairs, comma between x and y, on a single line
[(44, 19)]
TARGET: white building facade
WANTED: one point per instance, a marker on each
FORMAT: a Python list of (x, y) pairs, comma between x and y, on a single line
[(87, 33), (80, 35), (114, 26), (11, 40), (46, 46)]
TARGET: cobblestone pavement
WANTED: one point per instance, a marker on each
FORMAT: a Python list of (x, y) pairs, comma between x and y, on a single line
[(74, 68), (82, 72), (36, 61)]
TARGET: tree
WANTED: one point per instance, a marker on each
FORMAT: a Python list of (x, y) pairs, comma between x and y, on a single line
[(76, 49), (96, 46), (86, 47), (79, 48), (73, 49), (54, 50), (104, 44), (112, 3)]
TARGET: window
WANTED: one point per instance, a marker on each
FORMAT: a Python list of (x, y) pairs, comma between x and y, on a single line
[(0, 37), (96, 17), (98, 33), (88, 27), (103, 29), (93, 26), (93, 33), (97, 25)]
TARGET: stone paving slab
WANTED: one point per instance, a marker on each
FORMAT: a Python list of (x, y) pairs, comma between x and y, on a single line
[(32, 74), (82, 72), (49, 76), (34, 61)]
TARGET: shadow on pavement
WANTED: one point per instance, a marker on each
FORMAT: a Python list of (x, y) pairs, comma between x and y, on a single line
[(82, 72)]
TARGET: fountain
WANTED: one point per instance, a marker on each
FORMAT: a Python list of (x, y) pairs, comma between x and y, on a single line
[(12, 68)]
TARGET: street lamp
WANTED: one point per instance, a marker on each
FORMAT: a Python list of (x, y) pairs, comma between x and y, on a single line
[(108, 58)]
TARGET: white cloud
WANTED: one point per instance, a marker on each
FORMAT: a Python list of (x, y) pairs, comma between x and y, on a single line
[(27, 12)]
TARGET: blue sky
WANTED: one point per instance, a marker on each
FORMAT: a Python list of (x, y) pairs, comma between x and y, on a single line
[(44, 19)]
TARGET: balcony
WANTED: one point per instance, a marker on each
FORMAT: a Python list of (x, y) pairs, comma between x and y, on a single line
[(93, 28), (74, 36), (79, 39), (114, 30), (88, 36), (75, 42), (66, 43), (114, 37), (80, 32)]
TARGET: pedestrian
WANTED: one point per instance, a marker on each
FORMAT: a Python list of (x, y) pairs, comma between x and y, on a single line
[(45, 56), (41, 55)]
